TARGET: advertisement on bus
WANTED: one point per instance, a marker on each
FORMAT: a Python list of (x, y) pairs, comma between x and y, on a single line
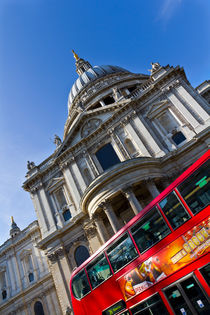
[(171, 258)]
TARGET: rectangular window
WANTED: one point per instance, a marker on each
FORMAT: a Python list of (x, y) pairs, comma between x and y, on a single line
[(152, 306), (174, 210), (60, 198), (196, 188), (80, 285), (121, 252), (98, 270), (149, 230)]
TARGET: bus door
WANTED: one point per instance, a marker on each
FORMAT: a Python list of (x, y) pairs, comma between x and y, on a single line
[(186, 297)]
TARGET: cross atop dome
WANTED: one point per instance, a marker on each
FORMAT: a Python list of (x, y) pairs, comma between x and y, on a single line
[(81, 64)]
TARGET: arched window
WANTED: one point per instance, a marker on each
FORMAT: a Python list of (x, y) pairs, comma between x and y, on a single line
[(81, 254), (178, 137), (129, 146), (4, 294), (38, 308), (107, 156), (31, 277), (66, 215)]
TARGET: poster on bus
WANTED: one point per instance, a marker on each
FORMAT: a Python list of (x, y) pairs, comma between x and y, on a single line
[(171, 258)]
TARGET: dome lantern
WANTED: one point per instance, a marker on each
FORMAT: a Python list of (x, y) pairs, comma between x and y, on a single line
[(81, 64)]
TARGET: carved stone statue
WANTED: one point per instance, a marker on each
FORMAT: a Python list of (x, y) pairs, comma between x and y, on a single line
[(57, 141), (116, 93), (30, 165), (90, 126), (155, 67)]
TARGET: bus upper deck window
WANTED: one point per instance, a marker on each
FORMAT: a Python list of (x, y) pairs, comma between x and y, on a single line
[(196, 188), (121, 252), (80, 285), (174, 210), (98, 270), (149, 230)]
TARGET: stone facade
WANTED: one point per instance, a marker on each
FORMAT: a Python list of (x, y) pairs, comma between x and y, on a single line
[(127, 136), (25, 280)]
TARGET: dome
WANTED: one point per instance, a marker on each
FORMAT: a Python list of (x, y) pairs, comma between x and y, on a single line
[(90, 74)]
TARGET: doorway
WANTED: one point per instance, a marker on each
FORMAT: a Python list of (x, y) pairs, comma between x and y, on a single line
[(186, 297)]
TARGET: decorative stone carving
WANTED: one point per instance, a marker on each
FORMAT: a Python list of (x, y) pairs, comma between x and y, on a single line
[(155, 66), (30, 165), (56, 255), (90, 229), (57, 141), (90, 126)]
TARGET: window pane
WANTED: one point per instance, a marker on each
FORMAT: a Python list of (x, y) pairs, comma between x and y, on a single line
[(67, 215), (121, 252), (80, 285), (149, 230), (205, 271), (107, 156), (177, 301), (178, 137), (196, 188), (98, 271), (196, 296), (174, 210), (151, 306)]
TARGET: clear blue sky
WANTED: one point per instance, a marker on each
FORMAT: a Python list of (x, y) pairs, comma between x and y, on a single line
[(37, 69)]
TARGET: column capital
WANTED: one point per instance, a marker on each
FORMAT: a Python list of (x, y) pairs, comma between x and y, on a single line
[(56, 255), (127, 190)]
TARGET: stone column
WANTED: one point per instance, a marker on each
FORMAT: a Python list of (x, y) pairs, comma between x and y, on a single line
[(77, 174), (193, 103), (133, 201), (181, 108), (47, 208), (107, 207), (122, 152), (147, 137), (91, 235), (101, 228), (71, 185), (152, 188), (91, 166), (137, 140), (39, 213), (61, 276)]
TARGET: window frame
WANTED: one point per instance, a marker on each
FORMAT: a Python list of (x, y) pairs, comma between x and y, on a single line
[(134, 244), (166, 223), (91, 262), (182, 204)]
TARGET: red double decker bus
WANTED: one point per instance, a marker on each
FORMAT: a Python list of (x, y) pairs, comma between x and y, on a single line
[(158, 263)]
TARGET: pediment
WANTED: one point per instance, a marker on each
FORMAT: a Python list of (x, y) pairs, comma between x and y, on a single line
[(53, 183), (25, 253), (87, 123), (155, 108)]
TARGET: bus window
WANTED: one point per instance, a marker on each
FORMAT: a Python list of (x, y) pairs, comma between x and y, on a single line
[(80, 285), (205, 271), (174, 210), (121, 252), (98, 270), (196, 188), (152, 306), (149, 230)]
